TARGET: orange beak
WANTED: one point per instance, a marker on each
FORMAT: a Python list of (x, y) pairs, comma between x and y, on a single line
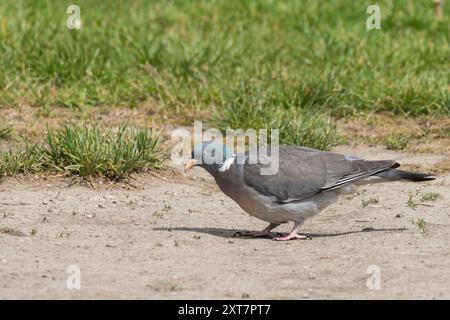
[(191, 163)]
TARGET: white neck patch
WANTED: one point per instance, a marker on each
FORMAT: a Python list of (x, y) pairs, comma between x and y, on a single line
[(227, 164)]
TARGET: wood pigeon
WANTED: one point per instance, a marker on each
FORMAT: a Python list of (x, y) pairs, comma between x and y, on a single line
[(306, 182)]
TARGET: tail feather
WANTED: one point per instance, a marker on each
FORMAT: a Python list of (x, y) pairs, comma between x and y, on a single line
[(395, 174), (415, 176)]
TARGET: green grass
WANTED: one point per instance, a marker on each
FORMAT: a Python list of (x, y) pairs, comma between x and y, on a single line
[(368, 202), (5, 130), (397, 142), (421, 224), (410, 203), (430, 196), (252, 108), (229, 62), (87, 152), (91, 152), (26, 159)]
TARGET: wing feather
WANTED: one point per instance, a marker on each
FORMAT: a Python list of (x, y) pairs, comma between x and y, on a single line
[(304, 172)]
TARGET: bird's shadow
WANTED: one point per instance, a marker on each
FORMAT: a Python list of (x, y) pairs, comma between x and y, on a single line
[(236, 233)]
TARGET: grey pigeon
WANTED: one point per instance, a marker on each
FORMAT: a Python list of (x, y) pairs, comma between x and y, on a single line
[(307, 181)]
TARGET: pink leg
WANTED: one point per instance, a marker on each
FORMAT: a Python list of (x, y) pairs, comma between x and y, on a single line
[(262, 233), (293, 235)]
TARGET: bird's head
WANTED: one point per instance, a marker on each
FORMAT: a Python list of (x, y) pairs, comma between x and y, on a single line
[(214, 157)]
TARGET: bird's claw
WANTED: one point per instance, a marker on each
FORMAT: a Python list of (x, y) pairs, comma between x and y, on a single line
[(292, 237)]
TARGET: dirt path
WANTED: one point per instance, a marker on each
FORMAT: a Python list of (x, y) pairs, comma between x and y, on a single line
[(173, 238)]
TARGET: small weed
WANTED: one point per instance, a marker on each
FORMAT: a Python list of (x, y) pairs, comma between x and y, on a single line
[(174, 287), (160, 214), (430, 196), (421, 224), (410, 203), (370, 201), (397, 142)]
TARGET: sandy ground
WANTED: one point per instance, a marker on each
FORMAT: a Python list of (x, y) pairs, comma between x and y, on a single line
[(173, 237)]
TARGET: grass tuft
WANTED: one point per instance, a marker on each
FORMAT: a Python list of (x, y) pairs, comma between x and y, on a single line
[(90, 152), (368, 202), (27, 159), (430, 196), (87, 152), (5, 131), (421, 224), (397, 142)]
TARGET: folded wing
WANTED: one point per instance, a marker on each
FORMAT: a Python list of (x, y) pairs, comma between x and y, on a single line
[(304, 172)]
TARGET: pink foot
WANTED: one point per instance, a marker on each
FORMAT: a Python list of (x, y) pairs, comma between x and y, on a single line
[(291, 236)]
